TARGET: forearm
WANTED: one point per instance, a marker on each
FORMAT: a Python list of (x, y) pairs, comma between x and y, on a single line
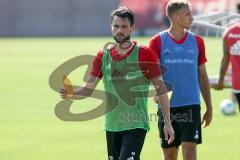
[(224, 62), (81, 93), (163, 100), (86, 90), (165, 106), (205, 90), (223, 68)]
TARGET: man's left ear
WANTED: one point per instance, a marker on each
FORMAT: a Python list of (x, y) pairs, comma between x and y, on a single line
[(175, 17)]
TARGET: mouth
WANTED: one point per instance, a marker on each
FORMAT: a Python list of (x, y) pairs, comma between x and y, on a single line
[(120, 36)]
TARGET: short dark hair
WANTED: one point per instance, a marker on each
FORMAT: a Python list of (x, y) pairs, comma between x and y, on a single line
[(123, 12), (175, 5), (238, 7)]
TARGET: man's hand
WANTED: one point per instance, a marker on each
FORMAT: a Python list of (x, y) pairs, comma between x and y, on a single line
[(66, 91), (168, 132), (64, 94), (219, 85), (207, 117)]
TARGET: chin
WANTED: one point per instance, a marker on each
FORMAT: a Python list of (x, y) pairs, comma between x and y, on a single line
[(188, 27)]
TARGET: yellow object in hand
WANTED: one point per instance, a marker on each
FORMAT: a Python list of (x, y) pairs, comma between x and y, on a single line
[(68, 86)]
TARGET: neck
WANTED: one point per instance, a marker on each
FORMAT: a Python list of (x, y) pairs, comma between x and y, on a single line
[(123, 48), (176, 32)]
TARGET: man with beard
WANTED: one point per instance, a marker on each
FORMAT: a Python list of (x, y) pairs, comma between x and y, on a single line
[(127, 69)]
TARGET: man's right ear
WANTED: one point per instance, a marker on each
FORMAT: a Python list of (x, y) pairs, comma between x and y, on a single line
[(132, 28)]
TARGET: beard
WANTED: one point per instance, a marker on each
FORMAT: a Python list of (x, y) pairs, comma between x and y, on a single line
[(127, 38)]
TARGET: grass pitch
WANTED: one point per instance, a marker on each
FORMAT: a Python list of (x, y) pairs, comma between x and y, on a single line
[(30, 130)]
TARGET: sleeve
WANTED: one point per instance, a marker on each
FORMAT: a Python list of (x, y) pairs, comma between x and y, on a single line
[(97, 65), (155, 45), (201, 50), (149, 63)]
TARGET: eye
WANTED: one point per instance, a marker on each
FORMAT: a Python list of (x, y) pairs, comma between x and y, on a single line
[(115, 26)]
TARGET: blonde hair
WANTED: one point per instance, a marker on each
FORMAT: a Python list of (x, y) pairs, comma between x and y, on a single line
[(175, 5)]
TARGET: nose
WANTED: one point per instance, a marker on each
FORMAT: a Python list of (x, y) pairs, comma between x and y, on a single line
[(119, 29), (191, 17)]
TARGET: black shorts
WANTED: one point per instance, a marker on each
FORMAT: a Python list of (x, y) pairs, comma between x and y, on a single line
[(186, 122), (237, 95), (125, 145)]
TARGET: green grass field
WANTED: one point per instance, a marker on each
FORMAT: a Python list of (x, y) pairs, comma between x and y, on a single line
[(30, 130)]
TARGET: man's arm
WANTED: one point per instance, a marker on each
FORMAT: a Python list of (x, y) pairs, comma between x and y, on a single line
[(224, 66), (81, 92), (94, 77), (151, 70), (205, 91), (164, 103)]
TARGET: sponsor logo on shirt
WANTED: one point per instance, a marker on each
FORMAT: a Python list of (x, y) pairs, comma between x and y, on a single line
[(179, 61), (190, 51), (166, 52), (231, 35), (235, 49)]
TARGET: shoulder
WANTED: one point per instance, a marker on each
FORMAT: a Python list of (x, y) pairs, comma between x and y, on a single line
[(227, 31), (196, 36), (233, 26), (156, 37), (231, 29), (99, 54), (199, 39), (144, 50), (146, 53), (155, 41)]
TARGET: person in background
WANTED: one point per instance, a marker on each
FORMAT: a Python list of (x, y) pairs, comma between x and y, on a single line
[(231, 54)]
